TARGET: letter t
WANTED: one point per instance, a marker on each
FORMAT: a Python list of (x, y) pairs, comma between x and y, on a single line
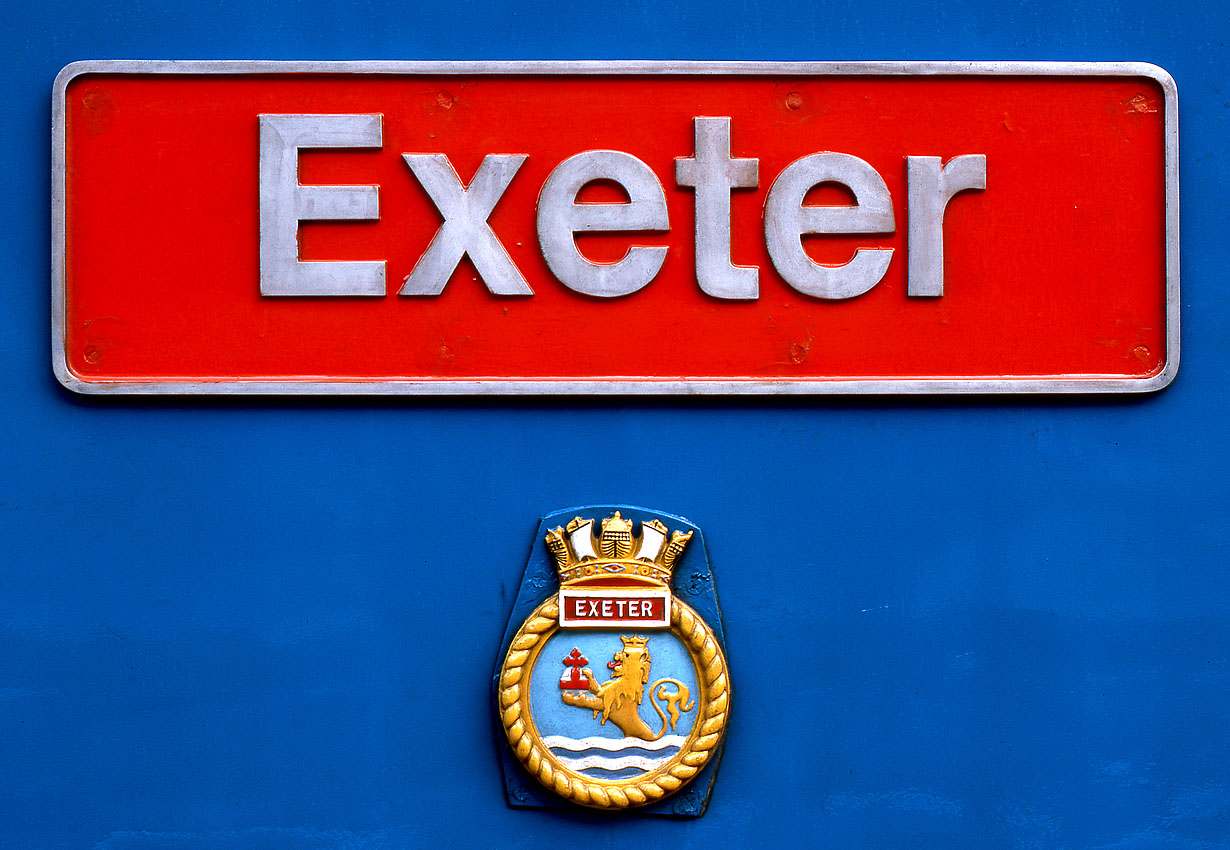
[(714, 174)]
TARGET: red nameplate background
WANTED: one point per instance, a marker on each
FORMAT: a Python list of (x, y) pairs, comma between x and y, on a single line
[(1061, 275)]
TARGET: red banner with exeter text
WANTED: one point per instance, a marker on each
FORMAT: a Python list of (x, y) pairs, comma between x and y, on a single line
[(1058, 268)]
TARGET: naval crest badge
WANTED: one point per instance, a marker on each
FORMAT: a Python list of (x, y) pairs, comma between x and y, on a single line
[(613, 692)]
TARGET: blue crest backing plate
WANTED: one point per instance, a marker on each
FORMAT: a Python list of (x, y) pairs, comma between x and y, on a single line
[(691, 582)]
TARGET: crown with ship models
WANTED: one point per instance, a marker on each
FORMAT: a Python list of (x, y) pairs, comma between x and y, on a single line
[(614, 556)]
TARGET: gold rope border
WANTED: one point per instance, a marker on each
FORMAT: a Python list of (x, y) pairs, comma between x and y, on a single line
[(696, 633)]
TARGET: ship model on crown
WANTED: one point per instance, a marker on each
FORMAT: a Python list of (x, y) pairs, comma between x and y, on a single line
[(654, 721)]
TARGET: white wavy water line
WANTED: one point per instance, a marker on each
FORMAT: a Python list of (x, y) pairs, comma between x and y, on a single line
[(642, 762), (562, 742)]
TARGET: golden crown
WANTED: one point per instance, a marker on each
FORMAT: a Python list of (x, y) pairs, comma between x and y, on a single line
[(583, 556)]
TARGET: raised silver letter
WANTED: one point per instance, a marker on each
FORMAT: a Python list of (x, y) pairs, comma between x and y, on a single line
[(931, 187), (786, 220), (285, 203), (560, 216), (714, 174), (465, 229)]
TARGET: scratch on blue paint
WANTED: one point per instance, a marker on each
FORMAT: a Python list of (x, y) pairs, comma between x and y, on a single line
[(7, 693), (255, 839), (1152, 839), (909, 800)]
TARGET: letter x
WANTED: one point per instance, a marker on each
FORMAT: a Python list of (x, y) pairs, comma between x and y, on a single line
[(465, 229)]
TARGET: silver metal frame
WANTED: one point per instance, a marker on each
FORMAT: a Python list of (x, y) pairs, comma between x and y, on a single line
[(617, 385)]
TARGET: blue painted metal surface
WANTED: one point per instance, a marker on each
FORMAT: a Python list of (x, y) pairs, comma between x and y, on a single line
[(270, 624)]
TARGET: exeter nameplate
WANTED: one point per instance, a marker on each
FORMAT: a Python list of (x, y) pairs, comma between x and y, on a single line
[(372, 227)]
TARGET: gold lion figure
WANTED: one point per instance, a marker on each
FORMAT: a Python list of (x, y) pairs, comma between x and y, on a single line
[(619, 699)]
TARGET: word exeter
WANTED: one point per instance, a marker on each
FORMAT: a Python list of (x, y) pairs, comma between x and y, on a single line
[(712, 172)]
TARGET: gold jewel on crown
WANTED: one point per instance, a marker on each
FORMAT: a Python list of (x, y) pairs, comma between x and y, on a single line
[(582, 556)]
